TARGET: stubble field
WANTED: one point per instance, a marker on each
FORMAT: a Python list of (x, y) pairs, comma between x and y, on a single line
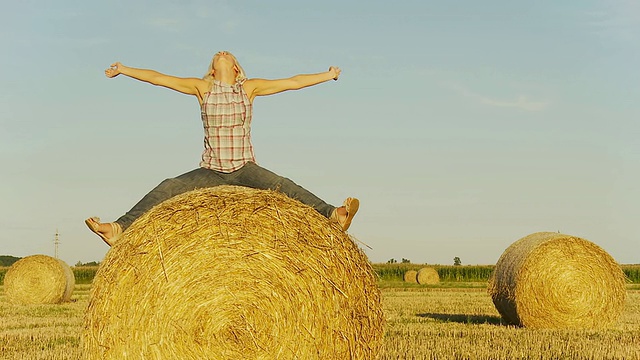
[(447, 321)]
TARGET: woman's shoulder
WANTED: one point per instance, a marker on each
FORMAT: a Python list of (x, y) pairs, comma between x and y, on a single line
[(250, 85), (204, 85)]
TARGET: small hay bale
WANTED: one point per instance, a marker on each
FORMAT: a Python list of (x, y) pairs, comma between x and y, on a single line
[(410, 276), (427, 276), (39, 279), (552, 280), (234, 273)]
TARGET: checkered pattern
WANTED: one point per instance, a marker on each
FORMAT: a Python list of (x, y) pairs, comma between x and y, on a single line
[(226, 116)]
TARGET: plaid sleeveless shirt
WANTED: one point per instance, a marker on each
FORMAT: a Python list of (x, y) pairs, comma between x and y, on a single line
[(226, 115)]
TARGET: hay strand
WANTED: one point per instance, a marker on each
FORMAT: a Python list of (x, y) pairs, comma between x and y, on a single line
[(427, 276), (410, 276), (552, 280), (233, 273), (39, 279)]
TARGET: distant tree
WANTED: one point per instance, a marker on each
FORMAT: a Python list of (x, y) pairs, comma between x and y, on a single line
[(405, 261), (90, 263), (391, 261), (8, 260), (456, 261)]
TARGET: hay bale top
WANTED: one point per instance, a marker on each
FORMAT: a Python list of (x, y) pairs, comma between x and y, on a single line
[(427, 276), (234, 273), (39, 279), (552, 280)]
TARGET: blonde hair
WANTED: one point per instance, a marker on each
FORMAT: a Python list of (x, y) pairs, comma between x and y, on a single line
[(240, 76)]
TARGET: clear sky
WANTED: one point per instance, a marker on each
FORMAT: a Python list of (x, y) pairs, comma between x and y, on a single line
[(461, 125)]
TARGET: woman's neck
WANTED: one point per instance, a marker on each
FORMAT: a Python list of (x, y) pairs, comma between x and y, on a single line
[(227, 77)]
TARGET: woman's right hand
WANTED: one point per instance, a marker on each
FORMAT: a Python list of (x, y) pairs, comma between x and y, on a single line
[(114, 70)]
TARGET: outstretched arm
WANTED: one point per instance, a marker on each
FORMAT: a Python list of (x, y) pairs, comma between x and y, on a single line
[(190, 86), (262, 87)]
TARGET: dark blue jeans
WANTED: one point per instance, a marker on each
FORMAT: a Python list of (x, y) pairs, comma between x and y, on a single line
[(250, 175)]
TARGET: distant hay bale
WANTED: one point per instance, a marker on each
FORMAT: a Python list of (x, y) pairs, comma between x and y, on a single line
[(427, 276), (410, 276), (234, 273), (39, 279), (552, 280)]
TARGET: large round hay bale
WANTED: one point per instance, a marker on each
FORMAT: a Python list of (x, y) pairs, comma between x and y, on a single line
[(234, 273), (39, 279), (410, 276), (427, 276), (552, 280)]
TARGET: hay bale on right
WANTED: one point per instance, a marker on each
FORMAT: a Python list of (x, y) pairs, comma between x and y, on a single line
[(410, 276), (39, 279), (427, 276), (552, 280)]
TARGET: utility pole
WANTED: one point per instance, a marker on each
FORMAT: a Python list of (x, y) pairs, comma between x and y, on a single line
[(56, 242)]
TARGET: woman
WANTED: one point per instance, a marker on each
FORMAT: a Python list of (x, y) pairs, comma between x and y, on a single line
[(226, 99)]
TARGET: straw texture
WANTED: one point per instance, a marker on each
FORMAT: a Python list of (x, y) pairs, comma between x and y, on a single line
[(233, 273), (552, 280), (39, 279), (427, 276), (410, 276)]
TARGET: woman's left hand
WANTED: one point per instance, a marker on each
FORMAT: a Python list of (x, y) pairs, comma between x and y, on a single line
[(335, 71)]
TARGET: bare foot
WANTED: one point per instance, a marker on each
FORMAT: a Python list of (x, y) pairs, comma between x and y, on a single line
[(108, 232)]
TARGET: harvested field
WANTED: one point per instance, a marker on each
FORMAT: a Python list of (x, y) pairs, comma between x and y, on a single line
[(447, 321)]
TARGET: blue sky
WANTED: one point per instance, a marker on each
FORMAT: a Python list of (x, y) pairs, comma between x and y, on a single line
[(461, 125)]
